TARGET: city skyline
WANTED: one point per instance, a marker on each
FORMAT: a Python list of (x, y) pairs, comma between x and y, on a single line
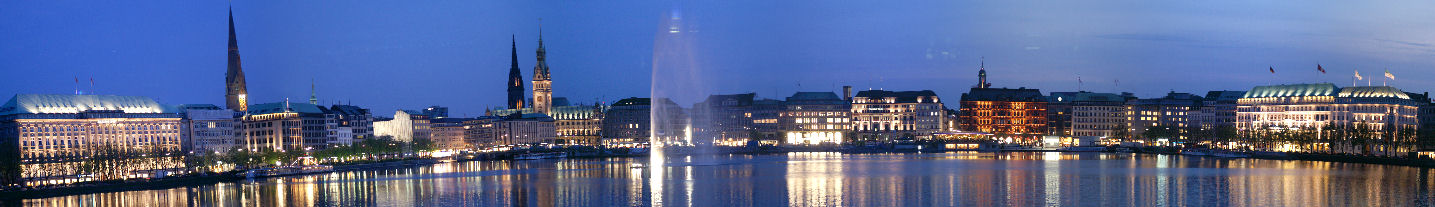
[(459, 57)]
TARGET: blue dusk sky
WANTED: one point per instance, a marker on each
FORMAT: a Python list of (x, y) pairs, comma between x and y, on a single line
[(389, 55)]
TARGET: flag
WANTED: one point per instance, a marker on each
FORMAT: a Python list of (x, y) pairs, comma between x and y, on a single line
[(1322, 70), (1273, 70), (1388, 75), (1357, 75)]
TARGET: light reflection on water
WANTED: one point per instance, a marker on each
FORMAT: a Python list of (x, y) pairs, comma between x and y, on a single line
[(824, 179)]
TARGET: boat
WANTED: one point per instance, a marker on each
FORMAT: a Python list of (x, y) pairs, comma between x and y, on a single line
[(286, 171), (539, 156), (1196, 152), (1084, 149), (1230, 154)]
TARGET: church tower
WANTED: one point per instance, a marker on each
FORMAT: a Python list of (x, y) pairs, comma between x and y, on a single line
[(542, 83), (982, 75), (236, 95), (515, 81)]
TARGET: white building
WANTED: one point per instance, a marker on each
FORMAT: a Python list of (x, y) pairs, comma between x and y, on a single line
[(207, 128)]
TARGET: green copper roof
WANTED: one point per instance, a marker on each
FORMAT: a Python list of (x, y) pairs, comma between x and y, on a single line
[(1315, 89), (1373, 92)]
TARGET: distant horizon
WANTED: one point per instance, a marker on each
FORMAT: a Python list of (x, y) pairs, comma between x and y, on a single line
[(387, 56)]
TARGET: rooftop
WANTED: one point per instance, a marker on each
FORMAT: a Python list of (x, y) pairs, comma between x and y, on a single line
[(1314, 89), (1004, 94), (69, 104)]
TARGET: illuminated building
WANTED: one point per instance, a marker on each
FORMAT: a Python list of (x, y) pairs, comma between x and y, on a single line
[(1017, 113), (285, 126), (436, 112), (1096, 114), (359, 121), (448, 133), (879, 115), (1218, 112), (629, 121), (1373, 120), (578, 124), (207, 128), (542, 82), (515, 82), (45, 139), (406, 126), (814, 118), (1171, 114), (481, 132), (236, 94)]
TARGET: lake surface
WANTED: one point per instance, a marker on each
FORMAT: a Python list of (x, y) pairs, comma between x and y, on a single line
[(824, 179)]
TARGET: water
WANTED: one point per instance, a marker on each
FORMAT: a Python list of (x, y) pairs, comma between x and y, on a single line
[(825, 179)]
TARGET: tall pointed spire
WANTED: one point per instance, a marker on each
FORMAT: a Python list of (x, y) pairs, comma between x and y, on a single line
[(515, 81), (236, 93), (982, 75), (313, 94), (542, 82)]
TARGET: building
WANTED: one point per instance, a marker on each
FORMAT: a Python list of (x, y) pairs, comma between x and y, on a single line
[(45, 139), (449, 133), (207, 128), (1323, 118), (283, 126), (629, 121), (359, 122), (879, 115), (1218, 114), (1172, 117), (406, 126), (515, 81), (436, 112), (765, 114), (815, 118), (1016, 113), (578, 124), (236, 93), (1097, 114), (542, 82), (481, 132), (724, 120)]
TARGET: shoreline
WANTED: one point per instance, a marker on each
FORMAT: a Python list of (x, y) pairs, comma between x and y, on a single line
[(140, 185)]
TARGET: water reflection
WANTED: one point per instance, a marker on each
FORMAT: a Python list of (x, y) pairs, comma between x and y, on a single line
[(823, 179)]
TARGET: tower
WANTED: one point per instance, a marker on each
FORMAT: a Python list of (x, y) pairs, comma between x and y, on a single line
[(515, 81), (313, 94), (236, 95), (542, 83), (982, 75)]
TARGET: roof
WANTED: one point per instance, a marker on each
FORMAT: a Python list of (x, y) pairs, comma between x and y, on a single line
[(348, 110), (744, 99), (1004, 94), (902, 96), (560, 101), (278, 107), (1372, 92), (449, 120), (1083, 96), (69, 103), (198, 107), (1315, 89), (633, 101), (815, 98), (1224, 95)]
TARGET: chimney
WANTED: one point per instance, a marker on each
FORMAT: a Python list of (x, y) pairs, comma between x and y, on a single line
[(847, 93)]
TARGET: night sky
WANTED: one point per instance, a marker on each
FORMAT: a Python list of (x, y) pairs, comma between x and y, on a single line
[(387, 55)]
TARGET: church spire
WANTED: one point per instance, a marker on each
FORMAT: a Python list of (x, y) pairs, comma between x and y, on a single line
[(236, 93), (982, 75), (542, 82), (313, 94), (515, 80)]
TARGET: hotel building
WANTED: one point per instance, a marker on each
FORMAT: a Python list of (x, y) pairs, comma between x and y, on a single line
[(45, 138), (283, 126), (879, 115), (1371, 120), (1097, 114)]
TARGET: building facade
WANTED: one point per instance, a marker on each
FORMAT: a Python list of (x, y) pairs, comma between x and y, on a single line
[(579, 124), (879, 115), (288, 126), (449, 133), (207, 128), (629, 121), (1170, 117), (359, 122), (46, 139), (1368, 120), (406, 126), (815, 118), (1016, 113), (1098, 114)]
